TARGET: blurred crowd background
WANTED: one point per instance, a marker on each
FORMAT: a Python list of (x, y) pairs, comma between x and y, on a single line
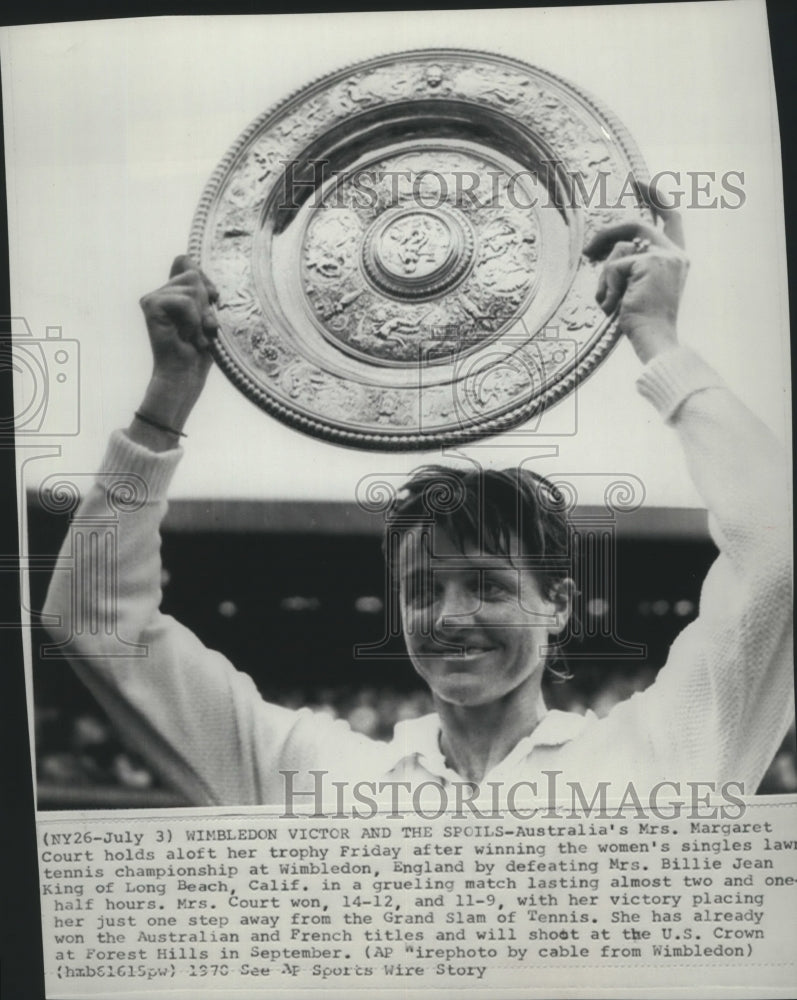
[(289, 608)]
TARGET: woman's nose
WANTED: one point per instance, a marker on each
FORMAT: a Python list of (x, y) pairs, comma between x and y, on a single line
[(456, 605)]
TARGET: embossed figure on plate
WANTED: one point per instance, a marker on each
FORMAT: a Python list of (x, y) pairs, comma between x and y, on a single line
[(416, 244)]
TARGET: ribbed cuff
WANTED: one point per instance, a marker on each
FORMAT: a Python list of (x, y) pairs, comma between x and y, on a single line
[(155, 468), (673, 376)]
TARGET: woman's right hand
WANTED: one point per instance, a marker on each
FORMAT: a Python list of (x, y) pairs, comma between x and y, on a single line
[(181, 323)]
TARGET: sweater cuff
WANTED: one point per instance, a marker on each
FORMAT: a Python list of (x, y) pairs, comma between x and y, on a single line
[(155, 468), (673, 376)]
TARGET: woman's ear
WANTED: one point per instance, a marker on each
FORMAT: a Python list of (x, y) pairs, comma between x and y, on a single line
[(561, 595)]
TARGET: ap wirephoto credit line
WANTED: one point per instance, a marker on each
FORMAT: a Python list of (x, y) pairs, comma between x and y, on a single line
[(404, 484)]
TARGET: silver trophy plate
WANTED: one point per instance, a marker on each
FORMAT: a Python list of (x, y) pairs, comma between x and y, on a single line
[(398, 248)]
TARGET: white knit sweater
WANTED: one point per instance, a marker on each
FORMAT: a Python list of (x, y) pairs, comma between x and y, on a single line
[(716, 712)]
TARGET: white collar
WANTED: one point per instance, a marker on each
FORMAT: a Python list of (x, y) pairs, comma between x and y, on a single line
[(420, 738)]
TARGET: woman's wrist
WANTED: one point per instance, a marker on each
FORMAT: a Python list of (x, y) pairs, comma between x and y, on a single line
[(653, 338), (159, 420), (149, 436)]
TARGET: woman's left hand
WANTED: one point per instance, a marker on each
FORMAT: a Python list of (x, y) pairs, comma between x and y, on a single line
[(644, 275)]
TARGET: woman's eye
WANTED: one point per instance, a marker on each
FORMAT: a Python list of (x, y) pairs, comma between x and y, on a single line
[(493, 588)]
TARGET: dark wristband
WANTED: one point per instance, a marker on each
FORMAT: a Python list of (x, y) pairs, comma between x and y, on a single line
[(161, 427)]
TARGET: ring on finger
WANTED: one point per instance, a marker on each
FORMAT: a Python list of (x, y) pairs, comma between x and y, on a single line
[(641, 245)]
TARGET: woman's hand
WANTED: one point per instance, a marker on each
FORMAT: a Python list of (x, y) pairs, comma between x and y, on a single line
[(181, 323), (644, 274)]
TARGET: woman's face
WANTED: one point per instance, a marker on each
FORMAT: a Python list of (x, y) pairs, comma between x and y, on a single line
[(475, 624)]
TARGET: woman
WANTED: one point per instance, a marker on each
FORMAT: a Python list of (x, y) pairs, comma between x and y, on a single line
[(480, 596)]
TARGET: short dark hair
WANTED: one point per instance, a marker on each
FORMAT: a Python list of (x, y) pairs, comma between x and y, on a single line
[(486, 507)]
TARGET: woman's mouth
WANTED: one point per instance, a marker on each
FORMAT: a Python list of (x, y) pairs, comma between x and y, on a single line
[(457, 652), (472, 652)]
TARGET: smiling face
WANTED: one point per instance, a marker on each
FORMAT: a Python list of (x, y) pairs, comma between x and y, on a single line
[(474, 624)]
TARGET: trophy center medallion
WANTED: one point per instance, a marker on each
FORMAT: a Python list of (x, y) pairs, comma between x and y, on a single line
[(417, 252)]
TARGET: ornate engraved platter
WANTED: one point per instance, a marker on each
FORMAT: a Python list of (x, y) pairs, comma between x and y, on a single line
[(398, 248)]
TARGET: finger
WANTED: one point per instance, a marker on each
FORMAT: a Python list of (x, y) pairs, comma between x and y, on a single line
[(185, 266), (621, 249), (184, 315), (647, 195), (201, 327), (674, 227), (210, 322), (202, 343), (615, 276), (671, 218), (164, 304), (602, 243), (181, 264)]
